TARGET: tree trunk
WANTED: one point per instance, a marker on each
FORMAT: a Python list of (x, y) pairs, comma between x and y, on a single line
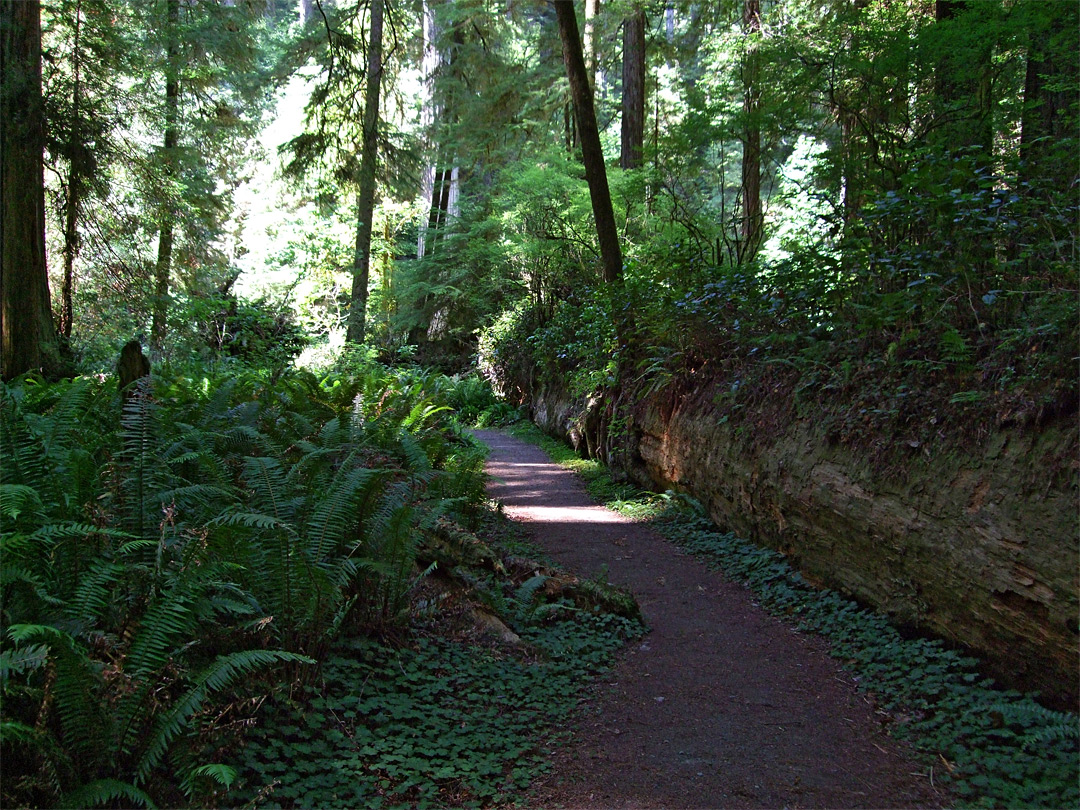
[(592, 40), (633, 98), (306, 11), (440, 184), (1049, 123), (592, 153), (752, 218), (27, 339), (365, 198), (74, 192), (167, 214)]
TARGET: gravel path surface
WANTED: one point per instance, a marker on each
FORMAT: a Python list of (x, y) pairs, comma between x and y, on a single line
[(720, 705)]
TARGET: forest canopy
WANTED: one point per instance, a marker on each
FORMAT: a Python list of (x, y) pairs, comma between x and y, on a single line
[(898, 173)]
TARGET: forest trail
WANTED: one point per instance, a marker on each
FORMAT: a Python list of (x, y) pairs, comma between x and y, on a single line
[(720, 705)]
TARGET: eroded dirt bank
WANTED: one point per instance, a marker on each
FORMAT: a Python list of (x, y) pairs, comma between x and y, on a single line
[(720, 705), (978, 547)]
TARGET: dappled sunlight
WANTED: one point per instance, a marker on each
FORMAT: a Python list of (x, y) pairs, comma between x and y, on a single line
[(565, 514)]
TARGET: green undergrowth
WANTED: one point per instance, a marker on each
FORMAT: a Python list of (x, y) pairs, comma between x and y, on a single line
[(433, 723), (991, 747), (177, 557)]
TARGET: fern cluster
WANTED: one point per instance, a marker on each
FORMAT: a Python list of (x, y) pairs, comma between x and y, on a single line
[(158, 554)]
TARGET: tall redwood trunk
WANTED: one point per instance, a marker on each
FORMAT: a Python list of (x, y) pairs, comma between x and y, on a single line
[(27, 339), (75, 185), (591, 151), (365, 198), (167, 214), (633, 88), (752, 219)]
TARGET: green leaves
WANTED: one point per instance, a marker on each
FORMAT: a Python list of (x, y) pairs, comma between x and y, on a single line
[(434, 724)]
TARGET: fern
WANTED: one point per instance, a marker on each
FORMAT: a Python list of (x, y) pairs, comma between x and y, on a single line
[(24, 454), (1040, 725), (89, 600), (15, 499), (416, 458), (420, 413), (954, 348), (146, 472), (224, 775), (75, 693), (252, 520), (18, 732), (526, 592), (268, 483), (336, 512), (22, 659), (50, 439), (168, 622), (102, 792), (220, 674)]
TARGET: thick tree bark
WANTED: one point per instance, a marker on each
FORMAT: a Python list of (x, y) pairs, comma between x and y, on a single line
[(365, 198), (167, 214), (752, 218), (27, 338), (592, 153), (633, 98)]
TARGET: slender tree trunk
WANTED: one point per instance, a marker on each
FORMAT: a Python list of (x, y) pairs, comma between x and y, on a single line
[(592, 153), (633, 99), (27, 338), (74, 192), (592, 40), (752, 218), (430, 183), (167, 214), (365, 199)]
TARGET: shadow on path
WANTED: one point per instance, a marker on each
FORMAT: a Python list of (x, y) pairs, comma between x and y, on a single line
[(720, 705)]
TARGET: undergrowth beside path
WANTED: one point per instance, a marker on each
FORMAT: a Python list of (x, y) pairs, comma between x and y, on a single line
[(992, 747), (434, 723), (284, 559)]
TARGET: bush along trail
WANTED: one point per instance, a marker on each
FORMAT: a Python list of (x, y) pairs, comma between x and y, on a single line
[(748, 710)]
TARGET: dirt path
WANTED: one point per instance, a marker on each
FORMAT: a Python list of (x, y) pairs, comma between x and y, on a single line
[(720, 705)]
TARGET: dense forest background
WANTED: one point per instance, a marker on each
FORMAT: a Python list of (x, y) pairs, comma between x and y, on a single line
[(313, 212), (824, 182)]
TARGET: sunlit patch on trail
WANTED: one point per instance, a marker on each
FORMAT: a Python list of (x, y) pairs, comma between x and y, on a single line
[(565, 514)]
